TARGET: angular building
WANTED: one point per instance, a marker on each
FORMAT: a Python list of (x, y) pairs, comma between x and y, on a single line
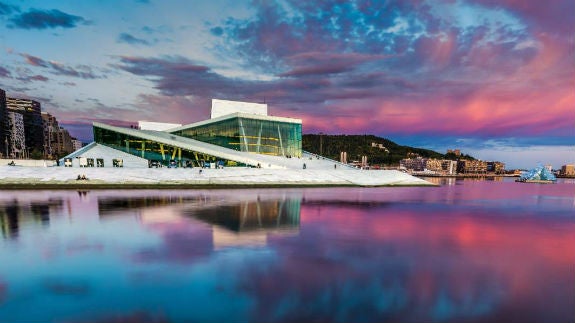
[(33, 128), (238, 134), (247, 129)]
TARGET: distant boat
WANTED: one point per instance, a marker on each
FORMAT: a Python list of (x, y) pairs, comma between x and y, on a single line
[(538, 174)]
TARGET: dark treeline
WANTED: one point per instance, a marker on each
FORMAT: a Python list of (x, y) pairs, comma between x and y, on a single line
[(360, 145)]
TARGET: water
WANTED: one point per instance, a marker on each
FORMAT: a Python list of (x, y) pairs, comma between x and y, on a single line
[(468, 251)]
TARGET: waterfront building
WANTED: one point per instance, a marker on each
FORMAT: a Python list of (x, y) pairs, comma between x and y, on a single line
[(238, 134), (417, 164), (63, 142), (567, 170), (434, 165), (248, 128), (16, 136), (495, 167), (465, 166), (50, 126), (76, 144), (3, 124), (33, 128)]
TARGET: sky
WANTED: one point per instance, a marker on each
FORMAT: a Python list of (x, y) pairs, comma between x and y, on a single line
[(493, 78)]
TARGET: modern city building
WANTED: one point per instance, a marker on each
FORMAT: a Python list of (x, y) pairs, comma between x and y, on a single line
[(34, 130), (63, 142), (238, 134), (16, 136), (76, 144), (3, 125), (248, 129), (50, 125)]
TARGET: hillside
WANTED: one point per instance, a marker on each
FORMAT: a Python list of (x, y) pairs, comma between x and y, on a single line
[(361, 145)]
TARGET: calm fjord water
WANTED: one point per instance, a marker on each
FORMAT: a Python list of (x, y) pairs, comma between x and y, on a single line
[(468, 251)]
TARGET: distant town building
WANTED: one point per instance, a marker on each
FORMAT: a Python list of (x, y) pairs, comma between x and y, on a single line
[(380, 146), (32, 112), (63, 143), (495, 167), (3, 124), (465, 166), (417, 164), (76, 144), (456, 152), (567, 170)]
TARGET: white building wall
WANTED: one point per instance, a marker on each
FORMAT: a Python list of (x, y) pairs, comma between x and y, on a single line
[(96, 151), (225, 107), (157, 126)]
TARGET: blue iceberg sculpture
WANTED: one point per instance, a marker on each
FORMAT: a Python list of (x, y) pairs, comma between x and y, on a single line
[(539, 173)]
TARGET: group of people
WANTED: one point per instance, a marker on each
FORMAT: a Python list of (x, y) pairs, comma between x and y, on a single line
[(82, 177)]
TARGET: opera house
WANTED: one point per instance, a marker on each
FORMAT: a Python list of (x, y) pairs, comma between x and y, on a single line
[(237, 134)]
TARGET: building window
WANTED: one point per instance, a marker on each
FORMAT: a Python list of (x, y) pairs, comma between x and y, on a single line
[(118, 162), (99, 162)]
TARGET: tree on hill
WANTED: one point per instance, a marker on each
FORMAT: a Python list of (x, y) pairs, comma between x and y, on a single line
[(356, 146)]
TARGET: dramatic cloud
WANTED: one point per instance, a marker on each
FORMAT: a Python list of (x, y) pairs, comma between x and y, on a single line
[(132, 40), (32, 78), (4, 72), (45, 19), (398, 65), (80, 71), (175, 75), (428, 72), (6, 9)]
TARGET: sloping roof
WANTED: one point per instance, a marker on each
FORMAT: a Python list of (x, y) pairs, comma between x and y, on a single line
[(198, 146), (235, 115)]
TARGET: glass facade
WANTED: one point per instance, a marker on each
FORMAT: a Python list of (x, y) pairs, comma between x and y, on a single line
[(250, 135), (155, 151)]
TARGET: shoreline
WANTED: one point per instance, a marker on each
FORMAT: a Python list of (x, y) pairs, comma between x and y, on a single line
[(183, 186), (149, 178)]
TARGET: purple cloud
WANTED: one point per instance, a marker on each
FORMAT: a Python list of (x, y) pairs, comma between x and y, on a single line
[(80, 71), (132, 40), (4, 72), (45, 19), (32, 78)]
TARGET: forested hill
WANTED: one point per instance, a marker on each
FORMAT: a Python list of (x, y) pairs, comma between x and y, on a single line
[(361, 145)]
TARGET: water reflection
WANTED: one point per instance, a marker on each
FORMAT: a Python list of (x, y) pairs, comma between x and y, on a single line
[(476, 252), (15, 214)]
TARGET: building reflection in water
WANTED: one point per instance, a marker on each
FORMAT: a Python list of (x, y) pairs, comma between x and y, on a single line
[(16, 214), (234, 222)]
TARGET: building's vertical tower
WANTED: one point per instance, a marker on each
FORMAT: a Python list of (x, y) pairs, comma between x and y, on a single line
[(33, 128), (51, 128), (3, 125)]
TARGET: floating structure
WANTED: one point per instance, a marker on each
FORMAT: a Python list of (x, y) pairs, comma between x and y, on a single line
[(539, 174)]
